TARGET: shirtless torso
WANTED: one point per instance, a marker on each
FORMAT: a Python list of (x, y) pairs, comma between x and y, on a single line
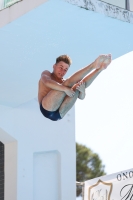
[(43, 90)]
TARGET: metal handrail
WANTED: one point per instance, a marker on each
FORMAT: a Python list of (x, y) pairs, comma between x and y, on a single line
[(79, 183), (82, 185)]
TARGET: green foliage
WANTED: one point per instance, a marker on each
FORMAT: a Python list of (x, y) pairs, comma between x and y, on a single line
[(89, 165)]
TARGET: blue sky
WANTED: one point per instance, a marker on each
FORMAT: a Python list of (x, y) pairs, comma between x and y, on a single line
[(30, 45)]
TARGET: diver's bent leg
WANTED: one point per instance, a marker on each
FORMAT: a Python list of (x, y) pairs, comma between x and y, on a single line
[(79, 75), (56, 99), (67, 104), (91, 77), (53, 100)]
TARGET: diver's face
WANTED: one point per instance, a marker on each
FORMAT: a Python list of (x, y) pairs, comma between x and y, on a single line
[(60, 69)]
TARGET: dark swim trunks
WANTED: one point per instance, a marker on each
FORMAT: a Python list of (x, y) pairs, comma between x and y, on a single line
[(53, 115)]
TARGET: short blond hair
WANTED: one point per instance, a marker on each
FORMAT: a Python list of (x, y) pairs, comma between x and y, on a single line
[(65, 58)]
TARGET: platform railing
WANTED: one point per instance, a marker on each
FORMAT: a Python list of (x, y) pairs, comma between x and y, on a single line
[(7, 3), (82, 185)]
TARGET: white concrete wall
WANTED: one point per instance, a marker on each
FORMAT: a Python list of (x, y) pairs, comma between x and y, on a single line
[(46, 149), (46, 153), (1, 4), (47, 174), (7, 3), (130, 5), (11, 13), (105, 8), (119, 3)]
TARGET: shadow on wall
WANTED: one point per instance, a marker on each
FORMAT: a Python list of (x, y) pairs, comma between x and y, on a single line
[(7, 3)]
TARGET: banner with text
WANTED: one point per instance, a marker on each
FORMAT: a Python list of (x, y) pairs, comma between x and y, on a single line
[(118, 186), (7, 3)]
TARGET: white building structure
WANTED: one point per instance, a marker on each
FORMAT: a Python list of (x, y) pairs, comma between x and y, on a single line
[(126, 4), (46, 151), (29, 43), (38, 153)]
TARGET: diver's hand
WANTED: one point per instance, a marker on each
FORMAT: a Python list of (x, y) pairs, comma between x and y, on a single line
[(69, 92)]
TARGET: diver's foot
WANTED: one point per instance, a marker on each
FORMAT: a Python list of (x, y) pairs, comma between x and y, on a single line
[(106, 62), (102, 61)]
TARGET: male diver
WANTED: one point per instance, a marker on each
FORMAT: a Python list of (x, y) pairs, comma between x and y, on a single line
[(56, 96)]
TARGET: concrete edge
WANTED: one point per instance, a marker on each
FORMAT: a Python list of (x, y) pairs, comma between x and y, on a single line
[(18, 9)]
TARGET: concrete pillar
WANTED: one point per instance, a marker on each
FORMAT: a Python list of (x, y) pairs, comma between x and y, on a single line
[(8, 166)]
